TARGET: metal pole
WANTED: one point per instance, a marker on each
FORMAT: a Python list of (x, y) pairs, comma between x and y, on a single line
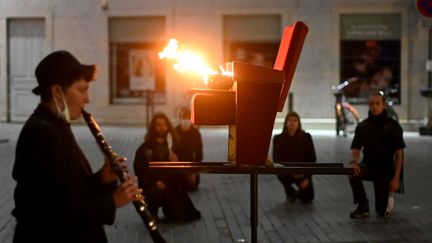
[(152, 102), (430, 58), (147, 92), (254, 206), (290, 101), (427, 93)]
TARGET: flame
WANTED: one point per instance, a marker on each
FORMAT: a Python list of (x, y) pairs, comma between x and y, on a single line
[(187, 61)]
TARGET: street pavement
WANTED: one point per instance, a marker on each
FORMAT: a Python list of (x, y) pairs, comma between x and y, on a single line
[(224, 199)]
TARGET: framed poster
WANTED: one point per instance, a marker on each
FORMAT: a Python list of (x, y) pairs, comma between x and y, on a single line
[(370, 50), (135, 70), (142, 72)]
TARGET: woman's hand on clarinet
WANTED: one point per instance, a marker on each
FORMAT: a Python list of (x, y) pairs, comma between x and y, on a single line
[(108, 174), (127, 192)]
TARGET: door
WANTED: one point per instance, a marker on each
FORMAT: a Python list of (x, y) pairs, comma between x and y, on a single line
[(26, 38)]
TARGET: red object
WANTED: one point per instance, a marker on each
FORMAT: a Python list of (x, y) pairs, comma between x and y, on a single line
[(424, 7), (288, 55), (260, 92)]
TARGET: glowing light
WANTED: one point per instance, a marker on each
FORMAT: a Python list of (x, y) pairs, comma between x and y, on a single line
[(187, 61)]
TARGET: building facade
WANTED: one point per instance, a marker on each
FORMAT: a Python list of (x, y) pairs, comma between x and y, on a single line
[(386, 41)]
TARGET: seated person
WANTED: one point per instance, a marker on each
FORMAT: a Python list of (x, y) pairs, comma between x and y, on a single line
[(191, 147), (162, 190), (295, 145)]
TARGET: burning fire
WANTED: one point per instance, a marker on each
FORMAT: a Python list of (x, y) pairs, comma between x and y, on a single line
[(186, 61)]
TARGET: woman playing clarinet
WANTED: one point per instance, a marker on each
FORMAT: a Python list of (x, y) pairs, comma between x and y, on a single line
[(58, 198)]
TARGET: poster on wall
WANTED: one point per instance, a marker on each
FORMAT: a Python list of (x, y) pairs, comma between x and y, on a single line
[(141, 69), (135, 69), (370, 50)]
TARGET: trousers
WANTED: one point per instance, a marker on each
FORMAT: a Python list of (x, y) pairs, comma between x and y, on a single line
[(381, 188)]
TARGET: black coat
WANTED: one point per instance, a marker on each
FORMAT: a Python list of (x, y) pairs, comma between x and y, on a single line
[(174, 199), (145, 153), (379, 137), (57, 196), (191, 148), (297, 148)]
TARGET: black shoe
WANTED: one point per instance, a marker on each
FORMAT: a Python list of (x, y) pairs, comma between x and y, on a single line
[(362, 211)]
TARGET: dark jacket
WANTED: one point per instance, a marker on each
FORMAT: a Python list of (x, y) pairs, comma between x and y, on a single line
[(152, 151), (380, 137), (174, 199), (145, 153), (191, 144), (57, 196), (297, 148)]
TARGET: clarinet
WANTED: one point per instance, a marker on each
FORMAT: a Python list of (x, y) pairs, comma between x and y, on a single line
[(141, 205)]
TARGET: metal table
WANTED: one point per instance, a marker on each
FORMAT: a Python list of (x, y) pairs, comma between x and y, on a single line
[(253, 171)]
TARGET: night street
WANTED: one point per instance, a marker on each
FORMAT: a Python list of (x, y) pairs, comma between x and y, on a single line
[(224, 199)]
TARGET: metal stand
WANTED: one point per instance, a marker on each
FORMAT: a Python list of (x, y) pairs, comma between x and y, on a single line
[(253, 171), (427, 93), (254, 206), (150, 106)]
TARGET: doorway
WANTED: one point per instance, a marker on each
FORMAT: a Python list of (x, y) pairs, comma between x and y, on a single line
[(26, 38)]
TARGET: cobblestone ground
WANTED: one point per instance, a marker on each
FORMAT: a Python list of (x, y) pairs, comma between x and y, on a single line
[(224, 199)]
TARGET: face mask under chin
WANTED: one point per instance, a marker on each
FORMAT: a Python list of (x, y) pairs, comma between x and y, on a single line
[(65, 114), (185, 124)]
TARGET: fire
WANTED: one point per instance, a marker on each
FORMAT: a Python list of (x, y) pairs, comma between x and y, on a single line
[(187, 61)]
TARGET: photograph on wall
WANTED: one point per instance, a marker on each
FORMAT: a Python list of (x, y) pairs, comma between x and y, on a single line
[(142, 73), (370, 65), (136, 70), (370, 56)]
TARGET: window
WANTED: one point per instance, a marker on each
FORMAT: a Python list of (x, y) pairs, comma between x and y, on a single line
[(370, 55), (136, 73), (252, 38)]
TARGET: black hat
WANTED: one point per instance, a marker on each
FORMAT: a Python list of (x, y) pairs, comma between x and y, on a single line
[(61, 67)]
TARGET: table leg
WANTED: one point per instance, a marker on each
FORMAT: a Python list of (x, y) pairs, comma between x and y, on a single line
[(254, 206)]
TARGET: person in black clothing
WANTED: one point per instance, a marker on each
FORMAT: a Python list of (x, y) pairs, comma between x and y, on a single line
[(381, 139), (295, 145), (191, 147), (57, 196), (163, 190)]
